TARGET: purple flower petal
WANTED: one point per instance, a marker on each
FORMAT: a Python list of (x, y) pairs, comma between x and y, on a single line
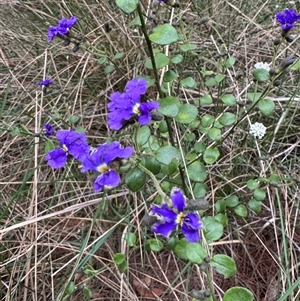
[(164, 229), (107, 180), (178, 199), (190, 227), (46, 82), (62, 28), (135, 88), (164, 213), (56, 158), (49, 131), (287, 18)]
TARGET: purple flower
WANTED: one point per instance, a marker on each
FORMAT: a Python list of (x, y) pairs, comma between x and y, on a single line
[(62, 28), (49, 131), (169, 218), (72, 143), (287, 18), (99, 160), (127, 105), (46, 82)]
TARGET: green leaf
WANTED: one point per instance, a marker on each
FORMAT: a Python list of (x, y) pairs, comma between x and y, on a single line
[(187, 113), (261, 74), (164, 35), (143, 135), (130, 238), (122, 267), (215, 134), (199, 147), (213, 230), (135, 22), (232, 201), (266, 107), (259, 194), (195, 253), (296, 65), (230, 62), (15, 131), (119, 258), (219, 78), (252, 184), (238, 294), (254, 96), (87, 293), (199, 190), (207, 120), (274, 179), (108, 69), (154, 245), (222, 218), (187, 47), (165, 154), (127, 6), (177, 59), (70, 289), (169, 106), (206, 100), (211, 155), (229, 99), (169, 76), (211, 82), (220, 206), (181, 249), (74, 119), (102, 60), (255, 205), (135, 179), (49, 146), (151, 164), (161, 60), (119, 55), (197, 171), (188, 82), (241, 210), (224, 265), (227, 118)]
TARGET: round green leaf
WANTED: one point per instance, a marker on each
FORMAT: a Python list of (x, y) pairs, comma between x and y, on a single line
[(127, 6), (219, 77), (143, 135), (154, 245), (255, 205), (161, 60), (187, 113), (227, 118), (181, 249), (87, 293), (241, 210), (49, 146), (169, 76), (213, 230), (259, 194), (135, 179), (261, 74), (74, 119), (215, 134), (228, 99), (197, 171), (230, 62), (211, 155), (195, 253), (199, 147), (177, 59), (130, 238), (188, 82), (252, 184), (206, 100), (220, 206), (274, 179), (222, 218), (254, 96), (266, 106), (207, 120), (224, 265), (232, 201), (238, 294), (199, 190), (165, 154), (151, 164), (108, 69), (118, 55), (169, 106), (164, 35), (210, 82), (187, 47), (119, 258)]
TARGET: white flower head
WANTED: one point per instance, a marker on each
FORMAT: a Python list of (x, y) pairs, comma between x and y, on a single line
[(261, 65), (258, 130)]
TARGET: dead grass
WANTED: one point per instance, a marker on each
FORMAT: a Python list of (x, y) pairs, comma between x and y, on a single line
[(51, 226)]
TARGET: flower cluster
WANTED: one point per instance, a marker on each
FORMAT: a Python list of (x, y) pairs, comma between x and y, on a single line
[(287, 18), (45, 83), (261, 65), (258, 130), (169, 218), (127, 106), (49, 131), (97, 159), (62, 28)]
